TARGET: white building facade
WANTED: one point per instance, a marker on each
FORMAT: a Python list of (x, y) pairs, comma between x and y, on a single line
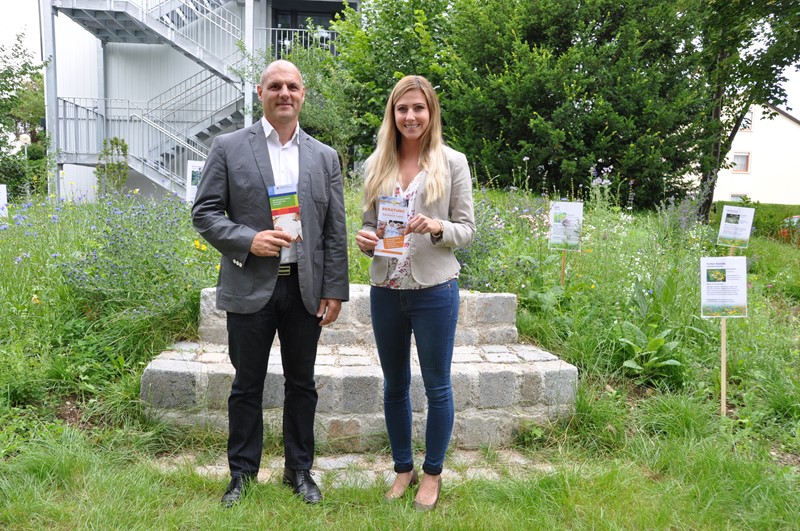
[(764, 160)]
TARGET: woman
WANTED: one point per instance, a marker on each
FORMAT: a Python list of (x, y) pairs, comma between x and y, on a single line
[(418, 290)]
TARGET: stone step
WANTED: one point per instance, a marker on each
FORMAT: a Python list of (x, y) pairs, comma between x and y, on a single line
[(498, 386), (483, 319)]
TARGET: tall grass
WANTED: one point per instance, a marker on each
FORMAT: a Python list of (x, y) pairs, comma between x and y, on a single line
[(90, 291)]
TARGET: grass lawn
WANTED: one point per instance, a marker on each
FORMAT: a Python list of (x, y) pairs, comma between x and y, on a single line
[(91, 292)]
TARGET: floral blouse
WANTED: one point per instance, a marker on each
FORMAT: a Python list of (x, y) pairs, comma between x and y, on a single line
[(400, 276)]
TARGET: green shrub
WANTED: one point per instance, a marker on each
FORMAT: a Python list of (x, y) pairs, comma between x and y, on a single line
[(13, 174), (94, 290)]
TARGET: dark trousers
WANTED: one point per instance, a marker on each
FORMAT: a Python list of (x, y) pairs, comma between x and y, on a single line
[(249, 339)]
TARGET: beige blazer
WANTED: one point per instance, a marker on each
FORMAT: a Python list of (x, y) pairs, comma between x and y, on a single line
[(432, 258)]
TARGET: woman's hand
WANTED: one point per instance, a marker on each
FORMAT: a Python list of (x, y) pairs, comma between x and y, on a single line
[(424, 225), (366, 240)]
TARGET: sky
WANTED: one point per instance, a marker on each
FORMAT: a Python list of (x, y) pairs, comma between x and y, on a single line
[(22, 15)]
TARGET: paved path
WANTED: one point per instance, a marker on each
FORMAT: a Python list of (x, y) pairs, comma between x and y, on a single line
[(365, 470)]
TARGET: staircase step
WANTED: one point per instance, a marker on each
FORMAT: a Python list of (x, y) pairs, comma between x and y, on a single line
[(499, 385), (483, 319)]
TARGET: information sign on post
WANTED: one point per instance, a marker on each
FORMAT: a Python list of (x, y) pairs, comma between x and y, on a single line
[(723, 293), (194, 170), (723, 286), (735, 226), (566, 220)]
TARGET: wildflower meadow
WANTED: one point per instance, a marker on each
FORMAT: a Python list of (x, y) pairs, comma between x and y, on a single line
[(92, 291)]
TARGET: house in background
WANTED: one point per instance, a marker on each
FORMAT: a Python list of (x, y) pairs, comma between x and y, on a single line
[(159, 74), (764, 159)]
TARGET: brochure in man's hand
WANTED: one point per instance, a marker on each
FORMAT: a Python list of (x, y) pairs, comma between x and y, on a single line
[(392, 219), (285, 206)]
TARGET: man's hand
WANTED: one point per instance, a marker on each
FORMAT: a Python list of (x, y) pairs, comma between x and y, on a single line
[(328, 310), (270, 242), (366, 240)]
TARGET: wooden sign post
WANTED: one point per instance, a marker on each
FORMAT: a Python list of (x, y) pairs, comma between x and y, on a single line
[(734, 231)]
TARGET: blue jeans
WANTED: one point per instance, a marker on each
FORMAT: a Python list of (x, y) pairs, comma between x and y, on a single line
[(431, 314)]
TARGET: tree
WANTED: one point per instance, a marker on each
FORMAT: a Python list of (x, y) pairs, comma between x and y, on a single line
[(744, 48), (328, 112), (570, 87), (112, 165), (29, 112), (382, 42), (21, 94), (544, 92), (22, 112)]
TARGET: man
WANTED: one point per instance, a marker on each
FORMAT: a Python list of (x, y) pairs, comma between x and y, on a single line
[(269, 281)]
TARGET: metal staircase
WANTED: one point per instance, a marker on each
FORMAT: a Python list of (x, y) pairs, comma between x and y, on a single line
[(166, 131), (176, 126), (155, 149), (202, 30)]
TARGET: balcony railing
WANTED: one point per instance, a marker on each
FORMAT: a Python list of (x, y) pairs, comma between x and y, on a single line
[(155, 148), (281, 40)]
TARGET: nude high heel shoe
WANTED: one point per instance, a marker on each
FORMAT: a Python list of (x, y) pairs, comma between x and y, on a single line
[(422, 507), (397, 493)]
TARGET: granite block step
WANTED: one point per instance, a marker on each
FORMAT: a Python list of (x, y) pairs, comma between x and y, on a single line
[(498, 386)]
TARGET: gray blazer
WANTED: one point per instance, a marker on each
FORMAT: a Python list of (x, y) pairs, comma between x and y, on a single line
[(232, 205), (432, 259)]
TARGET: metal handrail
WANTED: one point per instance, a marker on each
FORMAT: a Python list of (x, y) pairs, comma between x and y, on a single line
[(228, 23), (89, 120), (193, 95), (231, 23), (174, 137)]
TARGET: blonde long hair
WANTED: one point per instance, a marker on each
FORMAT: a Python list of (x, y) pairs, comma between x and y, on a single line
[(383, 166)]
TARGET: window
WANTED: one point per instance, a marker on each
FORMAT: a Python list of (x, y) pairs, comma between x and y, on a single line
[(747, 122), (283, 19), (321, 20), (298, 19), (741, 163)]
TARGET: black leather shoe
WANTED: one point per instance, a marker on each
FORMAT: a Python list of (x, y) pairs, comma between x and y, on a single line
[(302, 484), (236, 489)]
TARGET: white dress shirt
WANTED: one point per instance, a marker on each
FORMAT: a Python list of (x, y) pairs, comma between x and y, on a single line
[(285, 160)]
